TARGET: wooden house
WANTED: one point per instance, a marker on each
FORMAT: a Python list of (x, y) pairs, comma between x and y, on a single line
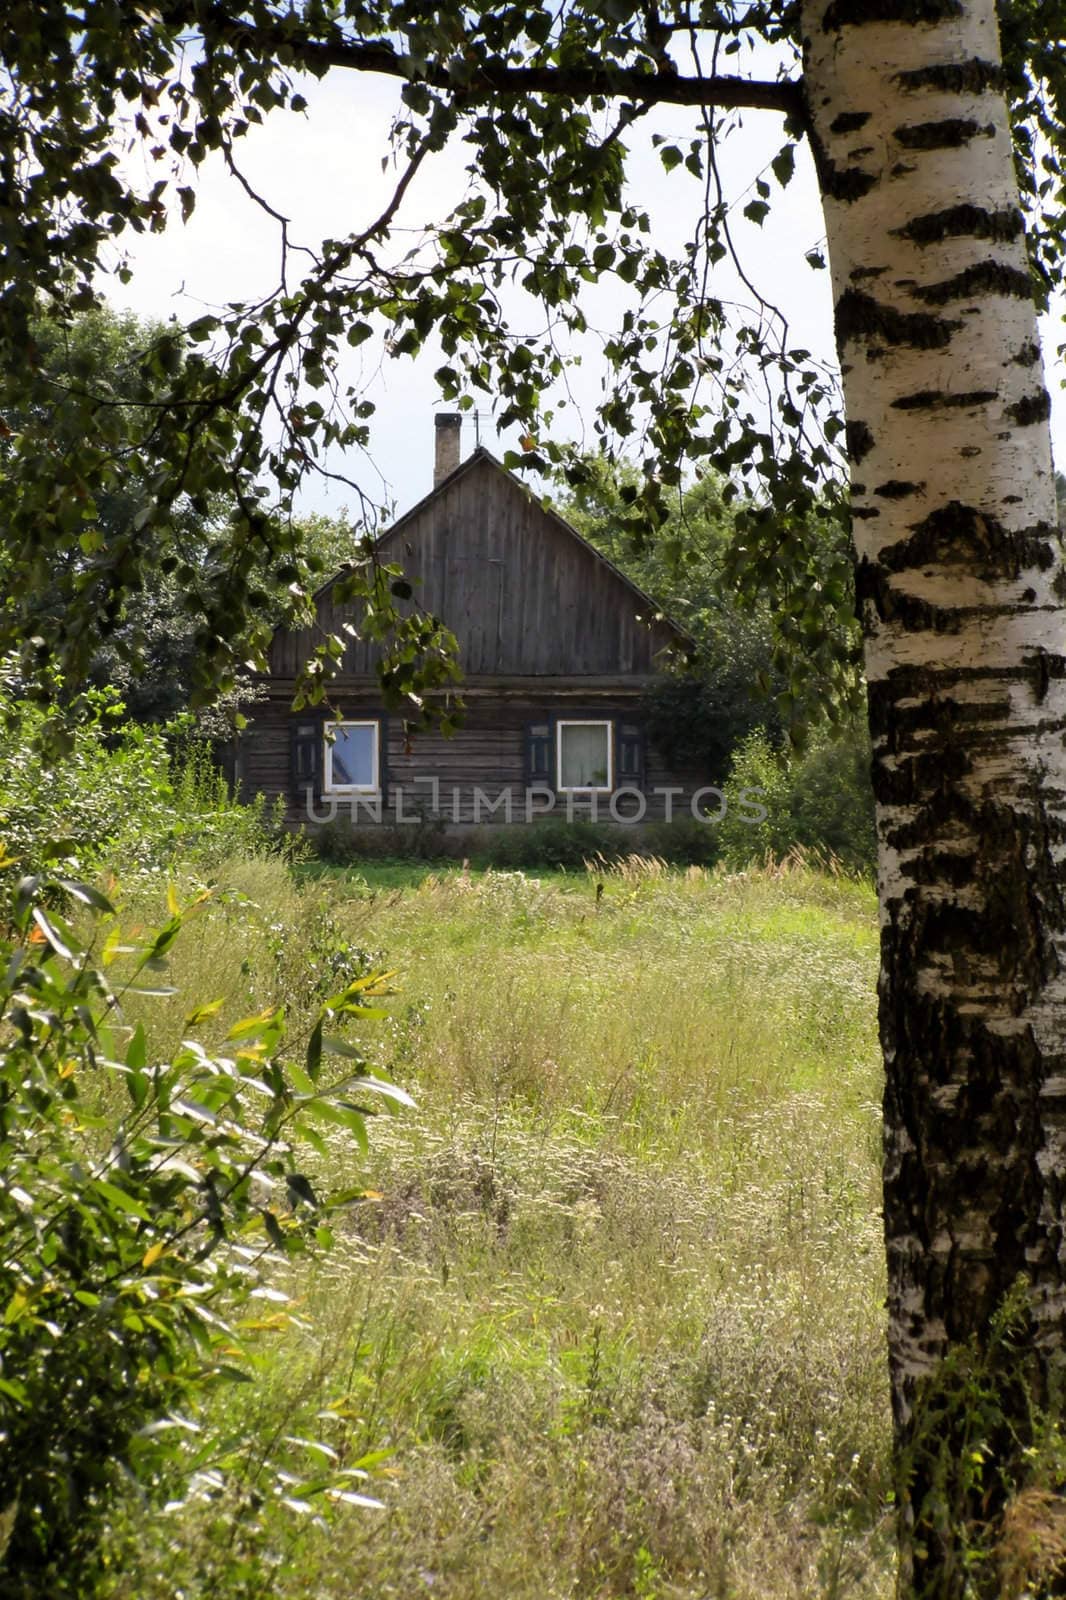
[(557, 648)]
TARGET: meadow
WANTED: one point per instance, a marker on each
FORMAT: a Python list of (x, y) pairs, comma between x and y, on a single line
[(609, 1319)]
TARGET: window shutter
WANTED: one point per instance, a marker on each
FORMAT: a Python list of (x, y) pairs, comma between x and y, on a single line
[(383, 759), (538, 763), (306, 760), (631, 758)]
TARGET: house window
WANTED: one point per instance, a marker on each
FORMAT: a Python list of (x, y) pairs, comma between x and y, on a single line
[(584, 756), (352, 758)]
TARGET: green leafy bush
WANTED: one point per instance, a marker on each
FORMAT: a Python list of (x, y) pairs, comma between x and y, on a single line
[(84, 786), (833, 803), (761, 771), (821, 802), (550, 842), (143, 1204), (341, 845)]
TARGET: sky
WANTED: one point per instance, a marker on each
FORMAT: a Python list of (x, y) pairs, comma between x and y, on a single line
[(323, 170)]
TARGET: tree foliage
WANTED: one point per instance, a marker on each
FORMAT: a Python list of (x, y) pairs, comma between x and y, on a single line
[(146, 638), (547, 104), (147, 623), (752, 664), (245, 403)]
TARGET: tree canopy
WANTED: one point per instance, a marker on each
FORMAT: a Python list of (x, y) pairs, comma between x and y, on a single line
[(246, 402), (146, 630)]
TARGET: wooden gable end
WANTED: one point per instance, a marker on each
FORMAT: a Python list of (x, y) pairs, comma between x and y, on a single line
[(524, 595)]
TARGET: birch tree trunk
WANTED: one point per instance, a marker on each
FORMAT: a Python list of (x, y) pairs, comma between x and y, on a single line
[(961, 588)]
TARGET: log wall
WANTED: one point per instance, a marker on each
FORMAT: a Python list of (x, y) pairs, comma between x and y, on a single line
[(487, 753)]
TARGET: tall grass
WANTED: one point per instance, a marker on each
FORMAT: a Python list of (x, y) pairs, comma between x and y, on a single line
[(616, 1313)]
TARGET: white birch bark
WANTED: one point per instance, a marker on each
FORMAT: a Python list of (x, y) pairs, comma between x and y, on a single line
[(961, 587)]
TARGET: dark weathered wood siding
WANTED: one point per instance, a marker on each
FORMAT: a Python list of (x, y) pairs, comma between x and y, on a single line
[(487, 753), (524, 595), (546, 629)]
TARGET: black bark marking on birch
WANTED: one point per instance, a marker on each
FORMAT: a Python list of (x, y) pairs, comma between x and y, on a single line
[(986, 735), (961, 535), (854, 13), (1002, 933), (913, 614), (941, 712), (1028, 355), (925, 683), (865, 513), (999, 935), (1041, 665), (845, 184), (860, 317), (841, 183), (964, 77), (901, 702), (995, 1080), (984, 277), (860, 442), (898, 489), (1031, 408), (948, 134), (1007, 931), (858, 274), (964, 222), (849, 122), (984, 740), (935, 400), (874, 593)]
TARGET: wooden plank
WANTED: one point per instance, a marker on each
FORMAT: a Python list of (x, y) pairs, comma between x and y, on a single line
[(550, 606), (487, 753)]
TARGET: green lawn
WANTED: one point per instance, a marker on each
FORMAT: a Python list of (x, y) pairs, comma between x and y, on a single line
[(370, 875), (616, 1313)]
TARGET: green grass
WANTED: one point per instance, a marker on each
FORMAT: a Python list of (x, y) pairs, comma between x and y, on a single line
[(617, 1313), (383, 873)]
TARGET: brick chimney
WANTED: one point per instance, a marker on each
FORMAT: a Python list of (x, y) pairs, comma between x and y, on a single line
[(446, 458)]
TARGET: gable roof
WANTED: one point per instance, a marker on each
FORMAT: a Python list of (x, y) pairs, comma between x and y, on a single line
[(482, 455), (526, 595)]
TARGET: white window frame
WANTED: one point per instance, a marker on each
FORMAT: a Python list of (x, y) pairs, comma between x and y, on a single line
[(328, 785), (584, 722)]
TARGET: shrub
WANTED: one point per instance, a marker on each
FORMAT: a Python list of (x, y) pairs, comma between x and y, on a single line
[(84, 786), (821, 802), (548, 843), (342, 845), (759, 767), (142, 1203), (833, 803)]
